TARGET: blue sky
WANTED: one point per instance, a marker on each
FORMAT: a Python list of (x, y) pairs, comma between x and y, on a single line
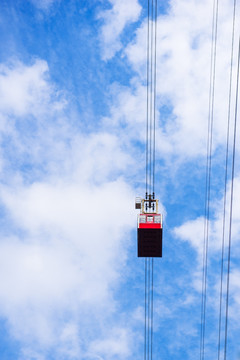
[(72, 160)]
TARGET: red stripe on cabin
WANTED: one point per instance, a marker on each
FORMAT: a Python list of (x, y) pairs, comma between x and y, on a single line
[(149, 226)]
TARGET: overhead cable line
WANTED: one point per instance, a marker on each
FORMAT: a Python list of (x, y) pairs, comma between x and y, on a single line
[(148, 328), (152, 312), (155, 93), (225, 181), (147, 270), (208, 175), (145, 320), (149, 307), (151, 105), (231, 203), (147, 88), (150, 165), (151, 95)]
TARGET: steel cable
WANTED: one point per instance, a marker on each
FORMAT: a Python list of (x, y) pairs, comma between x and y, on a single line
[(231, 205), (208, 176), (225, 182), (150, 165), (145, 327), (151, 95), (155, 92), (149, 305), (152, 312), (147, 119), (151, 103)]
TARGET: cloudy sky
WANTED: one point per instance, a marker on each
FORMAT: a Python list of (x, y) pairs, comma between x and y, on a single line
[(72, 160)]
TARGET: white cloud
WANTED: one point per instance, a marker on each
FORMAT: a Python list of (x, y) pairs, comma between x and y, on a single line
[(70, 259), (193, 230), (67, 244), (33, 128), (183, 66), (235, 295), (44, 4), (106, 156), (122, 13), (26, 90), (116, 345)]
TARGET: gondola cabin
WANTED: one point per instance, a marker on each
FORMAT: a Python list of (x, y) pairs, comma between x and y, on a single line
[(149, 232)]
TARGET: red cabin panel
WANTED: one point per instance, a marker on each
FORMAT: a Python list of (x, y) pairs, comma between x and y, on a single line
[(149, 226)]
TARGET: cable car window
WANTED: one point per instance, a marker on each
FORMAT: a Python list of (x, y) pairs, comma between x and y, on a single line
[(157, 219), (150, 219), (142, 218)]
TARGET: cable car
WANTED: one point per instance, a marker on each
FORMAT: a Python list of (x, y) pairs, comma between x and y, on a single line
[(149, 227)]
